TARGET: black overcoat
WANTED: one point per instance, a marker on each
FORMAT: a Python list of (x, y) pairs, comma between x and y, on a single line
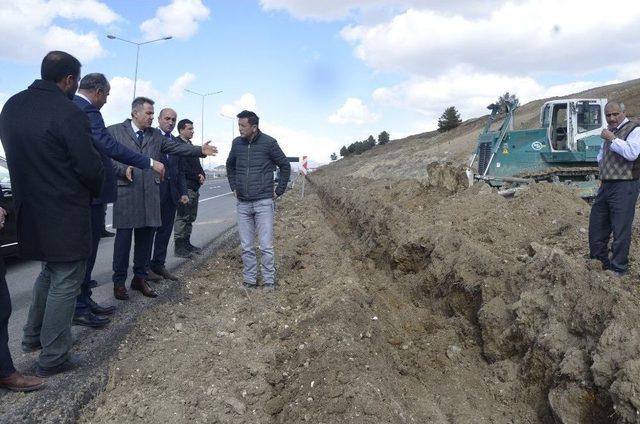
[(55, 170)]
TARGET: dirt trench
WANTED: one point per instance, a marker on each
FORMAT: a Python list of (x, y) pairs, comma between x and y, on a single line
[(516, 270), (400, 302)]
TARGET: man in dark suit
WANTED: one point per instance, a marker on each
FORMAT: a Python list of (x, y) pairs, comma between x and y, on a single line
[(92, 95), (137, 209), (55, 171), (172, 190)]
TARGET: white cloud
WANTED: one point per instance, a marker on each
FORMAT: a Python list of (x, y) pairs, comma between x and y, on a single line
[(246, 102), (328, 10), (516, 38), (28, 31), (93, 10), (297, 142), (469, 92), (574, 87), (118, 107), (628, 71), (353, 112), (179, 19), (176, 90)]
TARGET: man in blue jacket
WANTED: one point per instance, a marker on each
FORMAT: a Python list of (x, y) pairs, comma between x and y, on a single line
[(250, 166), (93, 93)]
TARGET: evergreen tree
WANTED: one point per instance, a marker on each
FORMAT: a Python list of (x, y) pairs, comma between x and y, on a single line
[(343, 151), (369, 143), (334, 156), (449, 119), (383, 138), (508, 98)]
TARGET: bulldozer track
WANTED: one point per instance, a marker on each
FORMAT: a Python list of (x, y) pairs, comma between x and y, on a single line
[(549, 173)]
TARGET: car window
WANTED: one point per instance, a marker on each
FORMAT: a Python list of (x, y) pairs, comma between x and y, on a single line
[(4, 175)]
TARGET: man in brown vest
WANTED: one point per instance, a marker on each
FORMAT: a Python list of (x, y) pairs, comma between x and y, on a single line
[(614, 207)]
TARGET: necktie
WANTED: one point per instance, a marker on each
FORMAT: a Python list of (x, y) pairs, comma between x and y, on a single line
[(140, 137), (168, 135)]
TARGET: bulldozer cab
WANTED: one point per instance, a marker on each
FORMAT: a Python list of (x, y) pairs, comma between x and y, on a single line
[(570, 120)]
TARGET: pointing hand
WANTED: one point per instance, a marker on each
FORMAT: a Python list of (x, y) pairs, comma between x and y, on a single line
[(208, 149)]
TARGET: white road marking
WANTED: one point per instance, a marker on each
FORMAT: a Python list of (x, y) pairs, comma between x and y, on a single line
[(200, 201)]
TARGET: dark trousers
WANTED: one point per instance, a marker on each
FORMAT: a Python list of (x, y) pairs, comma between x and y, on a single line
[(163, 233), (612, 213), (122, 250), (6, 364), (97, 225)]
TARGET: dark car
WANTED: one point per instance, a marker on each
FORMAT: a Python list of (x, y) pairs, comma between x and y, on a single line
[(8, 235)]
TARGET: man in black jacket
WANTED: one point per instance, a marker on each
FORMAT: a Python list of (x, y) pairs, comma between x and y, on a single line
[(55, 171), (194, 177), (250, 167)]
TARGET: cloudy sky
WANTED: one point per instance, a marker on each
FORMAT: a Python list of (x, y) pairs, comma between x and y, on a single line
[(322, 74)]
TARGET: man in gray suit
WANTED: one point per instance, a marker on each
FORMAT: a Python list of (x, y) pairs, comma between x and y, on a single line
[(137, 209)]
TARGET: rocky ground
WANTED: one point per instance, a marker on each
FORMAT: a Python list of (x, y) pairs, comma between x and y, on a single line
[(405, 297), (399, 301)]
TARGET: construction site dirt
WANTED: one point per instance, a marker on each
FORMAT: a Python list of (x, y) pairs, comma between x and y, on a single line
[(398, 302), (404, 297)]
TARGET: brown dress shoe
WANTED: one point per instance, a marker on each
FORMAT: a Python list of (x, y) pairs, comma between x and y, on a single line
[(17, 382), (142, 286), (164, 273), (154, 276), (120, 293)]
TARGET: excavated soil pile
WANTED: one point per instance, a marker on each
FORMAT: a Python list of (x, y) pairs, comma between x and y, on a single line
[(399, 302)]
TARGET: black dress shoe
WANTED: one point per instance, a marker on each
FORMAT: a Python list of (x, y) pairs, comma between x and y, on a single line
[(193, 249), (100, 310), (90, 320), (70, 364), (106, 233), (28, 348)]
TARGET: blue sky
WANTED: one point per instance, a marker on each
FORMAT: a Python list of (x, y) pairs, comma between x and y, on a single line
[(322, 74)]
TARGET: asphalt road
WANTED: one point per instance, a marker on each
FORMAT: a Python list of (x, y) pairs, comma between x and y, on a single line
[(216, 214)]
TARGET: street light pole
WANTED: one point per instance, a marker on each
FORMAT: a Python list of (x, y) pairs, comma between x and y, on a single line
[(135, 78), (202, 95), (233, 125)]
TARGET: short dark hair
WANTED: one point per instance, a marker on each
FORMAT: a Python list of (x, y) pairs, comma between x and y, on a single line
[(94, 81), (183, 123), (57, 65), (138, 102), (251, 117)]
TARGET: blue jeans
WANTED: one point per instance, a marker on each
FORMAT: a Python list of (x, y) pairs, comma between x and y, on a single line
[(256, 216)]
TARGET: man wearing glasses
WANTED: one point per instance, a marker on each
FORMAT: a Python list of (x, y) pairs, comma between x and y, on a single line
[(614, 207)]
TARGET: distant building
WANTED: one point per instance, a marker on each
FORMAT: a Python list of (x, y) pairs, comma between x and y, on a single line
[(219, 171)]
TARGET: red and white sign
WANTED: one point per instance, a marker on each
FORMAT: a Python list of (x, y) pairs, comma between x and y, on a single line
[(305, 167)]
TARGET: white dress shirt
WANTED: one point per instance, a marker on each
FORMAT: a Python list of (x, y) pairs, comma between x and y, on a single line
[(629, 148)]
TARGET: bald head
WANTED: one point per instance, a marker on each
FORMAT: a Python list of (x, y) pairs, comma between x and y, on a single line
[(167, 119), (614, 112)]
